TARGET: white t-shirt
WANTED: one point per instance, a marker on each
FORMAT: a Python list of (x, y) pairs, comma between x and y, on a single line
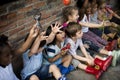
[(74, 45), (94, 18), (84, 28), (51, 52), (7, 73)]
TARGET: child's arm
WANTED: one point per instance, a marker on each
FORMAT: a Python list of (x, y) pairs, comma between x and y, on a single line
[(80, 58), (61, 54), (54, 58), (35, 48), (91, 25), (55, 29), (113, 13), (33, 33), (83, 50), (85, 3), (102, 16)]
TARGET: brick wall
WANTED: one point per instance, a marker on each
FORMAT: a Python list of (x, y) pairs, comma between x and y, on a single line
[(16, 18)]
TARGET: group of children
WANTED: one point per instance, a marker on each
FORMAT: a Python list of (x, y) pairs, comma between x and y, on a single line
[(58, 55)]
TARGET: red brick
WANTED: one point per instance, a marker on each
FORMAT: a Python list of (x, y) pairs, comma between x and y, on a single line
[(25, 9), (3, 17), (35, 0), (3, 23), (12, 15), (20, 16), (21, 22), (18, 22), (28, 2), (7, 27), (51, 19), (56, 11), (22, 32), (3, 10), (45, 14), (43, 21), (16, 30), (30, 24), (25, 21), (29, 19), (13, 37), (40, 4), (16, 6)]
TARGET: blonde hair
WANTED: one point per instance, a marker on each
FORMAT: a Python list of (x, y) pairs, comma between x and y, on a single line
[(72, 29), (68, 11)]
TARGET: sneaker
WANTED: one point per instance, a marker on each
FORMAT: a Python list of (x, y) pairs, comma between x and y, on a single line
[(116, 57), (63, 78)]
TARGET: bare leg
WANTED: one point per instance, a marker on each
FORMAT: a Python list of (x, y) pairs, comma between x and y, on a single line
[(34, 77), (82, 66), (66, 60), (56, 73), (99, 57), (91, 57), (103, 51)]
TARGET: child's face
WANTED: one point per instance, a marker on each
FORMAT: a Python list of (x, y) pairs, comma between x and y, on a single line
[(60, 36), (94, 8), (74, 17), (5, 56), (103, 6), (79, 34), (89, 10)]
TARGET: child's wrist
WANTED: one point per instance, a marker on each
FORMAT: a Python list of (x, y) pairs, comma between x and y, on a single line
[(53, 32), (60, 55), (30, 37), (62, 52)]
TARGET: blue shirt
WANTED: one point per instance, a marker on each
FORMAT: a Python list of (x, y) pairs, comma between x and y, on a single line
[(31, 64)]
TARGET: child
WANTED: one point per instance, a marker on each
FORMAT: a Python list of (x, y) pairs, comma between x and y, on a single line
[(106, 14), (102, 32), (70, 14), (106, 11), (6, 70), (33, 67), (54, 53), (74, 33), (94, 19), (6, 55)]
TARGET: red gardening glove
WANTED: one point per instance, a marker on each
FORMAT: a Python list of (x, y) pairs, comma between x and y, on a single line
[(66, 47)]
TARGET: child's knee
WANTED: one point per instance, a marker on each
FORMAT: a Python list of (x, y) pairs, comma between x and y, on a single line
[(34, 77), (69, 57), (53, 67)]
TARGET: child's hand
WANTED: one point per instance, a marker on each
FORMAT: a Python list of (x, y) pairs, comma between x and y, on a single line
[(114, 24), (63, 52), (42, 37), (56, 28), (65, 49), (107, 23), (67, 46), (34, 31), (86, 46), (90, 62), (102, 23)]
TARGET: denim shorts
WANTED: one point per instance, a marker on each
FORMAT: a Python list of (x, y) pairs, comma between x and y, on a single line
[(42, 73), (57, 62), (92, 46)]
